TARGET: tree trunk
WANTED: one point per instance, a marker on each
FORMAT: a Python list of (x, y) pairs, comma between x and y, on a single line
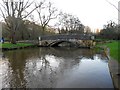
[(22, 36), (43, 31), (13, 38)]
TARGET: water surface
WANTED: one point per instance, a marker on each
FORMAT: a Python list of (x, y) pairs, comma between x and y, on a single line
[(54, 68)]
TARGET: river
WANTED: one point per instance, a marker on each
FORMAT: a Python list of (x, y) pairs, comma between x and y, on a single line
[(54, 68)]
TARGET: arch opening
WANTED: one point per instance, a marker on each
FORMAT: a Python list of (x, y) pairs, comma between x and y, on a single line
[(63, 44)]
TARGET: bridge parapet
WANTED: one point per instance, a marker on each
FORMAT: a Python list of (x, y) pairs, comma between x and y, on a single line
[(67, 37)]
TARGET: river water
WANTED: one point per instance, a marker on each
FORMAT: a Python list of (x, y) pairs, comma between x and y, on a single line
[(54, 68)]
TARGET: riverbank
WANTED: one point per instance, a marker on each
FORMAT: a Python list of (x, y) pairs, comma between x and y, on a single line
[(111, 50), (9, 46), (113, 47)]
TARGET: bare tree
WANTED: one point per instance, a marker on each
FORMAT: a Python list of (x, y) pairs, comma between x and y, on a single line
[(46, 13), (87, 30), (112, 24), (13, 13), (70, 23), (113, 5), (118, 9)]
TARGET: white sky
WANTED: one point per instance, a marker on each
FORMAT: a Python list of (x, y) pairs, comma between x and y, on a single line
[(93, 13)]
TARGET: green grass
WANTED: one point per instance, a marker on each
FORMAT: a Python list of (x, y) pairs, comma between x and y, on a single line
[(10, 46), (114, 49)]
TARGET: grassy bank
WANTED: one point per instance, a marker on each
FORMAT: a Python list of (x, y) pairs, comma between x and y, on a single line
[(13, 46), (114, 49)]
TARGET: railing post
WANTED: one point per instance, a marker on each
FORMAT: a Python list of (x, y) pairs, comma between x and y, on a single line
[(92, 37), (40, 40)]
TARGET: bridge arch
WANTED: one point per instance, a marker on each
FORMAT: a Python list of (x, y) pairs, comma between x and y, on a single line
[(57, 43)]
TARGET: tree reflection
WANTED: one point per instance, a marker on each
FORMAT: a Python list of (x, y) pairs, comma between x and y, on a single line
[(42, 67), (17, 61), (46, 67)]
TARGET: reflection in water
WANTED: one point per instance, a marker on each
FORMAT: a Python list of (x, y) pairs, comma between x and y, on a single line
[(55, 68)]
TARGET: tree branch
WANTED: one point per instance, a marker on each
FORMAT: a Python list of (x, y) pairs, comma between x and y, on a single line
[(113, 5)]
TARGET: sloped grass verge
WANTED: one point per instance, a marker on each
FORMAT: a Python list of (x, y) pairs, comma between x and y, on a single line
[(114, 47), (9, 46)]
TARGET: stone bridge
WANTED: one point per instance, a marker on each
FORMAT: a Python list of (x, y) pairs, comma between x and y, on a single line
[(79, 40)]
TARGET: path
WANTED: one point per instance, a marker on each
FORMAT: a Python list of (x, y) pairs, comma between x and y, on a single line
[(114, 67)]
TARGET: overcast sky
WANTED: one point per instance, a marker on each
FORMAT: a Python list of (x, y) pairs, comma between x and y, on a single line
[(93, 13)]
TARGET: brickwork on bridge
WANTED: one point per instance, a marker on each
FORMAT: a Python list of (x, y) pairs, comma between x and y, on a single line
[(70, 40)]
